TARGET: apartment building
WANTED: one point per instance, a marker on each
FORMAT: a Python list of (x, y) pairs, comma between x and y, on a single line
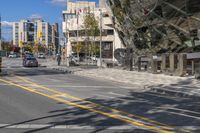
[(43, 32), (35, 31), (73, 28), (23, 32)]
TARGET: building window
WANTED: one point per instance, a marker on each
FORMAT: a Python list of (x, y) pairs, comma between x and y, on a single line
[(110, 32), (105, 15), (107, 51), (107, 45)]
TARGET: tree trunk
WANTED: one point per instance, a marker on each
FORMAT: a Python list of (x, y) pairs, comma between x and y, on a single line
[(129, 59)]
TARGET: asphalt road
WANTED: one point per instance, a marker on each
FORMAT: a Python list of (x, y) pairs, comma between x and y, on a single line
[(46, 101)]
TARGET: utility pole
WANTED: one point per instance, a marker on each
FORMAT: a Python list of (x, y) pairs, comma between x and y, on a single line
[(66, 38), (100, 37), (78, 36), (113, 20), (0, 46), (0, 34)]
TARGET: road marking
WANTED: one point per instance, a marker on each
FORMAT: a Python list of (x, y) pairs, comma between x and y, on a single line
[(115, 116), (98, 105), (178, 109), (52, 126), (100, 95), (76, 127), (181, 114), (151, 125), (4, 85), (54, 80), (117, 94)]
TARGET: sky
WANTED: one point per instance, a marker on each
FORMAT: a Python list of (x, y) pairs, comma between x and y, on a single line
[(15, 10)]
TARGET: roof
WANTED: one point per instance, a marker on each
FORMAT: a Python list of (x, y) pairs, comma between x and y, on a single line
[(193, 55)]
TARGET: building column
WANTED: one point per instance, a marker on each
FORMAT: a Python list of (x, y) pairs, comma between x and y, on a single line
[(139, 63), (193, 68), (171, 60), (182, 65), (154, 65), (163, 65)]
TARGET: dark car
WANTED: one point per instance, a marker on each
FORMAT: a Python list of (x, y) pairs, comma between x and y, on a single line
[(30, 62), (26, 55)]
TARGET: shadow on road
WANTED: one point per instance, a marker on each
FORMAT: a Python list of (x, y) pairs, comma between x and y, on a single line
[(169, 109)]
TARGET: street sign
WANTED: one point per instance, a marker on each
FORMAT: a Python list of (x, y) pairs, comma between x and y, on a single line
[(2, 53)]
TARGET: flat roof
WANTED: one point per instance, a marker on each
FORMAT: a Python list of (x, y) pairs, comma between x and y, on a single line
[(193, 55)]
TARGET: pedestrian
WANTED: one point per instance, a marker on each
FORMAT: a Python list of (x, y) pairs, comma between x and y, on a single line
[(58, 59)]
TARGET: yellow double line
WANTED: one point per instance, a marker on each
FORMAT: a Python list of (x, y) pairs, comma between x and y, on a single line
[(120, 115)]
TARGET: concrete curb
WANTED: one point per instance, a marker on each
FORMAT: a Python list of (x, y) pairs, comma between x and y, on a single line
[(66, 71)]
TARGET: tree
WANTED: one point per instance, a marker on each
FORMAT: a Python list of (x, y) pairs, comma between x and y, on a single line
[(7, 46), (29, 48), (41, 48), (91, 26), (78, 49)]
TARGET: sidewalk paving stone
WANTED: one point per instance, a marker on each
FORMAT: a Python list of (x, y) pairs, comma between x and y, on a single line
[(170, 85)]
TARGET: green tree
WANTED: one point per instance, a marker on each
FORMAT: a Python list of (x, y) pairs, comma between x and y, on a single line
[(7, 46), (78, 47), (41, 49), (29, 48), (91, 26)]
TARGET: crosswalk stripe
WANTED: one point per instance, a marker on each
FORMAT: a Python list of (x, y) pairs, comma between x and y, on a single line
[(51, 126)]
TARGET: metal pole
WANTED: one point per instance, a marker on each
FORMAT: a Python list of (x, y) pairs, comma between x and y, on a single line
[(0, 33), (100, 37), (0, 46), (114, 49), (77, 43), (66, 36)]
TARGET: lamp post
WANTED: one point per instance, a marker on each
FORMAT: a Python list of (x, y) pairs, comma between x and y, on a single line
[(0, 45), (114, 43), (0, 33), (100, 37)]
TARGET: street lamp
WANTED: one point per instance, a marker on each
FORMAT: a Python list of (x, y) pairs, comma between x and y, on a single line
[(100, 37), (0, 33)]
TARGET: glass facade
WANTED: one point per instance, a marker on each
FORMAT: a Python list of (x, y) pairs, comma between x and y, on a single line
[(68, 16), (30, 32)]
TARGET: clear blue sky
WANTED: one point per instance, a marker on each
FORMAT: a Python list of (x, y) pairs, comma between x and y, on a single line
[(14, 10)]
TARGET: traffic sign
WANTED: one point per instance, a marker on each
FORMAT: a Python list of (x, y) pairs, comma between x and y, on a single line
[(2, 53)]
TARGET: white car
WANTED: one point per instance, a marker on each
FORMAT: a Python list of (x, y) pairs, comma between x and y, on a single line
[(94, 58), (75, 58), (41, 56), (12, 56)]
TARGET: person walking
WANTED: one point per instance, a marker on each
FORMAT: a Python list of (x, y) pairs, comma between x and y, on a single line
[(58, 59)]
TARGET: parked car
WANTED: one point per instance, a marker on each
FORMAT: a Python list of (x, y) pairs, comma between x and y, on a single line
[(41, 56), (75, 58), (12, 55), (30, 62)]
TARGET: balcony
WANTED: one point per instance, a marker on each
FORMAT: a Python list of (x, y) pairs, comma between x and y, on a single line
[(107, 21), (109, 38)]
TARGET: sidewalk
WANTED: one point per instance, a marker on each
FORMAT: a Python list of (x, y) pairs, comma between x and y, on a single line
[(52, 64), (157, 83)]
